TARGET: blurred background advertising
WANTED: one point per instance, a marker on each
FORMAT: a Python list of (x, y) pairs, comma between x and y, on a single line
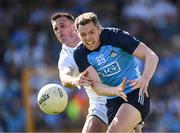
[(29, 53)]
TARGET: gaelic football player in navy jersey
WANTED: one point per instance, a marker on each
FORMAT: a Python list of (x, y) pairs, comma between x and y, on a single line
[(106, 56)]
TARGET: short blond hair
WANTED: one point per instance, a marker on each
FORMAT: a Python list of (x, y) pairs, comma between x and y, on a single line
[(86, 18)]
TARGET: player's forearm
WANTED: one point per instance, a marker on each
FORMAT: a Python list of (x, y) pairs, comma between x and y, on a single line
[(151, 61), (104, 90), (68, 81)]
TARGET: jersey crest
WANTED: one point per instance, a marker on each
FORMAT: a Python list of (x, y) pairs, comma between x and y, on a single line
[(113, 53)]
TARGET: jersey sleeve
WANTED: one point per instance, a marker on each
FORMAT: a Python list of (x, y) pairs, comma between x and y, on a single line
[(125, 41), (80, 58)]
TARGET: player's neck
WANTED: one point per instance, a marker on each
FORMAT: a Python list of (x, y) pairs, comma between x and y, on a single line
[(73, 42)]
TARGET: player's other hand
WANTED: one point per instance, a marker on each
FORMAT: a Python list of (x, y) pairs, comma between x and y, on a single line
[(83, 79), (141, 83), (119, 90)]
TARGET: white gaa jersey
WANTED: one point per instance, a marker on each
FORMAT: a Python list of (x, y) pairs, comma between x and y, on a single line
[(66, 60)]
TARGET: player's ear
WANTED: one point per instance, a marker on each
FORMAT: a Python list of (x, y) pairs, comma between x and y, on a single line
[(99, 28), (76, 31), (74, 28)]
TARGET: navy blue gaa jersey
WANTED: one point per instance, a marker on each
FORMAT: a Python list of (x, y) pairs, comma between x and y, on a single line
[(113, 59)]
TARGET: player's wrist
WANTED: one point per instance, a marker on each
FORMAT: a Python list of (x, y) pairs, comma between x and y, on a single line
[(145, 78), (74, 83), (114, 92)]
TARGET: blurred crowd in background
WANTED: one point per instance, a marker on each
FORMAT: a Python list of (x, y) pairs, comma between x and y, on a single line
[(27, 42)]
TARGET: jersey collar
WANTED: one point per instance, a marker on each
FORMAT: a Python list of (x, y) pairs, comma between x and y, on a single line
[(64, 46)]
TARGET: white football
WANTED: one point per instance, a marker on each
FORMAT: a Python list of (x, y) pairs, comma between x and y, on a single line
[(52, 99)]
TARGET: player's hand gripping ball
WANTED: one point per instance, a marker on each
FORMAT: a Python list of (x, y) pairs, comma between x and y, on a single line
[(52, 99)]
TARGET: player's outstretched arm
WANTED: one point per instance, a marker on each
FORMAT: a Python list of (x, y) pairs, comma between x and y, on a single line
[(102, 89), (71, 82)]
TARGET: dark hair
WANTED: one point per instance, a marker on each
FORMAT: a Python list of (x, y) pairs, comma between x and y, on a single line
[(86, 18), (55, 16)]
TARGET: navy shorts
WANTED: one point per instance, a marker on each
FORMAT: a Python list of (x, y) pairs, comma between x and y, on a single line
[(142, 105)]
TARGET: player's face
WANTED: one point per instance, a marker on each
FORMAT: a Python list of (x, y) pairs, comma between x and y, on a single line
[(89, 35), (63, 28)]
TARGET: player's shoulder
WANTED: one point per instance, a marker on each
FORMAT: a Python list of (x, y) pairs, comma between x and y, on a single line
[(81, 50), (111, 30), (63, 53), (66, 53)]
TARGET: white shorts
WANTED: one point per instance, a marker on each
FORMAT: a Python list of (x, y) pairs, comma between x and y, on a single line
[(99, 110)]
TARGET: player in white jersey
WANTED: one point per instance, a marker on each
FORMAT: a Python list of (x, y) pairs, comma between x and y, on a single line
[(63, 26)]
